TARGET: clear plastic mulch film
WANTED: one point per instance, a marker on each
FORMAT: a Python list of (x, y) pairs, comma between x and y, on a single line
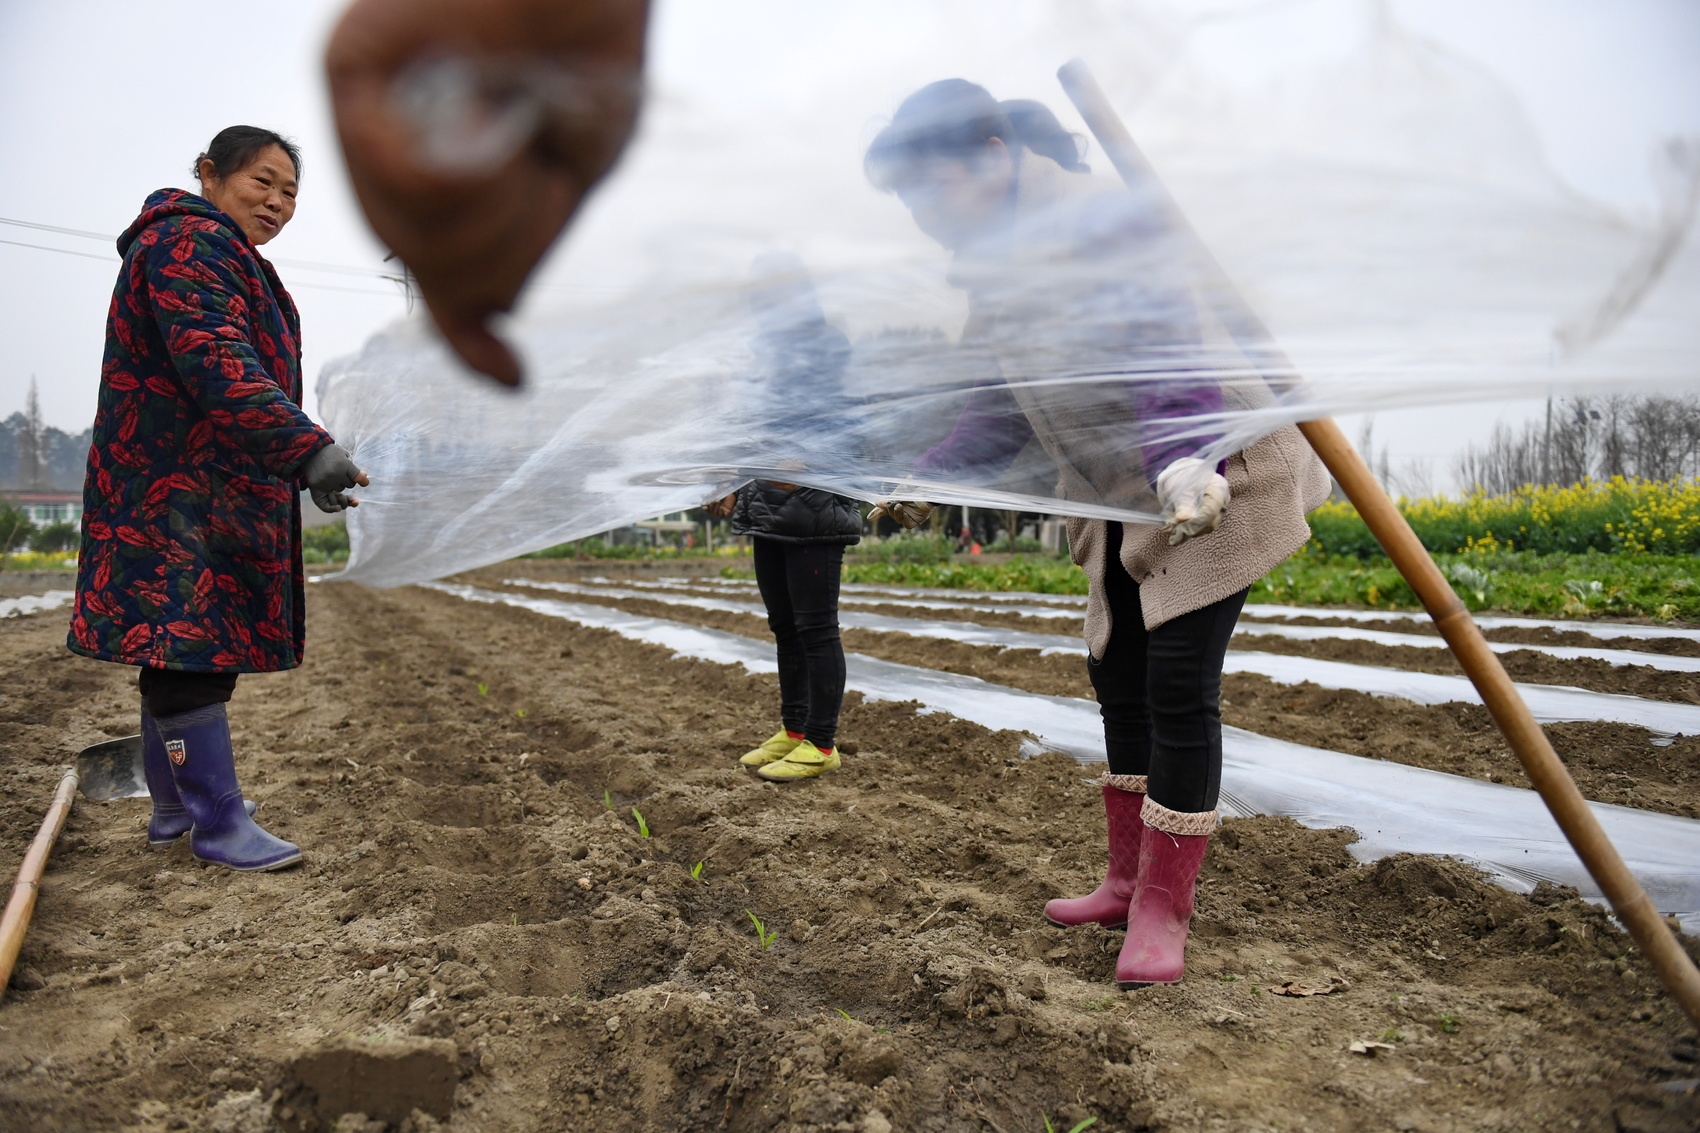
[(742, 300)]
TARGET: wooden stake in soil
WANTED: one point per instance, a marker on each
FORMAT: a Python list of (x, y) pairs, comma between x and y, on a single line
[(1546, 773), (16, 920)]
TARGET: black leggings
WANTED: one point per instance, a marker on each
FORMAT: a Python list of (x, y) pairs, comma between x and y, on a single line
[(1160, 691), (170, 691), (799, 585)]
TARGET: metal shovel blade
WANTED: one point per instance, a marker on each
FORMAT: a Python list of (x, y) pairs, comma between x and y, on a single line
[(113, 770)]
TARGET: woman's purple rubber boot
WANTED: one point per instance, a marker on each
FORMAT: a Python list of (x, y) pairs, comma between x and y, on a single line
[(170, 819), (203, 767)]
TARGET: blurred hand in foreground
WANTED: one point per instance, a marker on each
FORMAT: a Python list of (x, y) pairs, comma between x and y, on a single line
[(907, 514), (722, 507), (473, 129), (1194, 497)]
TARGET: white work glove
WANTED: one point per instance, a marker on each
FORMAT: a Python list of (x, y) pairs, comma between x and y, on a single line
[(1194, 497), (907, 514)]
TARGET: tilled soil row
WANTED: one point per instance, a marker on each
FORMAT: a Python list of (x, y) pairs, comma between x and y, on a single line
[(1615, 763), (462, 779)]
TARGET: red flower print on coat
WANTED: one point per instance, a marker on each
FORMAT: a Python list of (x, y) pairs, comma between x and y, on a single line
[(191, 555)]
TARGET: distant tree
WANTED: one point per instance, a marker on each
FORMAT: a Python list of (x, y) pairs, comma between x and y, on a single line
[(64, 455), (15, 528), (61, 536), (32, 468), (1654, 437)]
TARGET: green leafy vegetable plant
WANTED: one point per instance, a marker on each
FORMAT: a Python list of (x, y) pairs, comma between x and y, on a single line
[(765, 937)]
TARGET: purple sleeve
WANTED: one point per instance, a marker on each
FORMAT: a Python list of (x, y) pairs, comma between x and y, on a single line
[(1142, 290), (990, 432), (1159, 401)]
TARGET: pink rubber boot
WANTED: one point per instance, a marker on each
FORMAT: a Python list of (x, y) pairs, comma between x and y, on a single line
[(1107, 905), (1170, 856)]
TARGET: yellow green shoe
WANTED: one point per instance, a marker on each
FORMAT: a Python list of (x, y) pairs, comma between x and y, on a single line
[(804, 761), (777, 746)]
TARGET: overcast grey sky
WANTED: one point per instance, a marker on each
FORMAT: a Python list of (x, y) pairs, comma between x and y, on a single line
[(106, 101)]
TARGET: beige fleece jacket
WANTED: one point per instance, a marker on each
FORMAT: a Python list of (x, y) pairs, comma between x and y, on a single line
[(1274, 482)]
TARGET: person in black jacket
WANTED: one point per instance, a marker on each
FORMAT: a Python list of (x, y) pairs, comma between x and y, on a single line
[(799, 534)]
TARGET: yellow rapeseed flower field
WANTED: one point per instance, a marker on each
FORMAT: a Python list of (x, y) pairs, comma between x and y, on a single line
[(1616, 515)]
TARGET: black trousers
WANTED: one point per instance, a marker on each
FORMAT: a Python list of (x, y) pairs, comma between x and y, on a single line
[(170, 691), (1160, 691), (799, 586)]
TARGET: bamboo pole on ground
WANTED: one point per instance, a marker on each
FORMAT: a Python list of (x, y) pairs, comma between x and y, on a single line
[(16, 920), (1546, 772)]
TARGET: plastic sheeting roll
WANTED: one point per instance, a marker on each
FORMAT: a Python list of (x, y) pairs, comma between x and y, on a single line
[(744, 303)]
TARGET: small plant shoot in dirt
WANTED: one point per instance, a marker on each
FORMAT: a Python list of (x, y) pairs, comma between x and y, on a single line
[(1449, 1024), (765, 937), (844, 1013), (643, 827), (1076, 1128), (607, 800), (483, 689), (696, 872), (1392, 1035)]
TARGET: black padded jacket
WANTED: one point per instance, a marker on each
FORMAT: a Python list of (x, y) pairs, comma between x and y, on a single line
[(795, 514)]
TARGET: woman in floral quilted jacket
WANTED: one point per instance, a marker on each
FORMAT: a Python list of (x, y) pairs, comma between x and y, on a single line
[(190, 565)]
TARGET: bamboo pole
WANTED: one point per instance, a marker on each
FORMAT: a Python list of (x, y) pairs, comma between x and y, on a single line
[(1546, 772), (16, 920)]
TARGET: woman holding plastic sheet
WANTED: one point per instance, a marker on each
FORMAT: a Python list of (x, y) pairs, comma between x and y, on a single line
[(798, 534), (190, 565), (1066, 275)]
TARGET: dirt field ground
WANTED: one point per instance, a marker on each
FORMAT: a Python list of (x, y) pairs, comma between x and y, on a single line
[(1615, 763), (462, 778)]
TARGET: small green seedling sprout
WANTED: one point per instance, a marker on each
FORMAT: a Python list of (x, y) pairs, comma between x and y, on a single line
[(607, 799), (520, 712), (1449, 1024), (765, 937), (696, 872), (844, 1013), (1104, 1004), (1392, 1035), (516, 920), (643, 827), (483, 689), (1227, 979), (1049, 1128)]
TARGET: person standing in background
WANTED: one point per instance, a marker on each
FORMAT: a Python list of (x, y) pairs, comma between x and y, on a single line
[(798, 533)]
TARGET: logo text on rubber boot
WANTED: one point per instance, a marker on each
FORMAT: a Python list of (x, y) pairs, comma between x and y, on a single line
[(176, 751)]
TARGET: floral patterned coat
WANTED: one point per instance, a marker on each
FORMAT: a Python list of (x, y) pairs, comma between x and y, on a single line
[(191, 548)]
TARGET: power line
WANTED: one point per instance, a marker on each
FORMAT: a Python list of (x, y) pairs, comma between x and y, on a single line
[(306, 265), (61, 251)]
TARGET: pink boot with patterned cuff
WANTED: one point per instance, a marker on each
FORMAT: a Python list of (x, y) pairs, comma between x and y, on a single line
[(1107, 905), (1171, 852)]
